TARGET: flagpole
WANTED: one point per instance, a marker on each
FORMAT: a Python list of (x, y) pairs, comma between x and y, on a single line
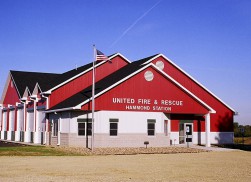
[(93, 94)]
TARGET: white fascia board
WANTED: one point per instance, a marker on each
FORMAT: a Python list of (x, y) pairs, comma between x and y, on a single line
[(39, 89), (112, 86), (63, 109), (11, 106), (5, 87), (15, 85), (32, 97), (23, 100), (183, 88), (119, 54), (28, 92), (46, 93), (197, 82), (34, 89)]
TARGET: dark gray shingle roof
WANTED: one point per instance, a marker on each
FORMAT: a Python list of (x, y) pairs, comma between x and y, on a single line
[(25, 79)]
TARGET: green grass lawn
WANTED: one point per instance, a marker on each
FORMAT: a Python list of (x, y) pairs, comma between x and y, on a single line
[(12, 149), (32, 151)]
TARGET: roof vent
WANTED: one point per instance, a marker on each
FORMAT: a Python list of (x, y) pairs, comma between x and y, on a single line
[(160, 65), (149, 76)]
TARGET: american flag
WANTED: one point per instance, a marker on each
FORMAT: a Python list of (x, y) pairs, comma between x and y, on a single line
[(100, 56)]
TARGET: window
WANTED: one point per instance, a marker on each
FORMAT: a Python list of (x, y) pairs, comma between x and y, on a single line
[(151, 127), (84, 127), (114, 127), (55, 127), (81, 129)]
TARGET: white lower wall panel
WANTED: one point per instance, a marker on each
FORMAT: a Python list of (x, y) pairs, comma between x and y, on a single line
[(9, 135), (2, 135), (17, 136), (222, 137), (37, 137), (27, 136), (129, 122), (30, 121), (200, 137), (174, 137)]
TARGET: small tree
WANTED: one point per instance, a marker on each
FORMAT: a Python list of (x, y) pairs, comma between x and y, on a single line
[(237, 130)]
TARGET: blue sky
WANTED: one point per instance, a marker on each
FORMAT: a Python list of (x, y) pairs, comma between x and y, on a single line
[(211, 40)]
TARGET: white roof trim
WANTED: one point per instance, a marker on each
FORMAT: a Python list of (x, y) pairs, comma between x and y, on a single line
[(96, 65), (6, 87), (190, 93), (23, 99), (15, 85), (119, 54), (36, 86), (28, 92), (190, 77), (131, 75), (63, 109)]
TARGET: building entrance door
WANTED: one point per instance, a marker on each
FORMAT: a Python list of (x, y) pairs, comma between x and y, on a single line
[(185, 133), (189, 133)]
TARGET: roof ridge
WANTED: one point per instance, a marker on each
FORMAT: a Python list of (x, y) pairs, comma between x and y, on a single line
[(143, 60), (34, 72)]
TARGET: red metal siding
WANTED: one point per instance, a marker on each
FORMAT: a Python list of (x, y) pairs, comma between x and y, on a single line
[(152, 92), (41, 102), (223, 119), (85, 80), (175, 125), (11, 96), (30, 104), (198, 122), (199, 126)]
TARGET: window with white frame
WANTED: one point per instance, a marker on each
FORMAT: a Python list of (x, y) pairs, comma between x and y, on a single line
[(84, 127), (113, 127), (151, 127)]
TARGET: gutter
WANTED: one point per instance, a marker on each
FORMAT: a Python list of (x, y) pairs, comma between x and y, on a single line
[(63, 109)]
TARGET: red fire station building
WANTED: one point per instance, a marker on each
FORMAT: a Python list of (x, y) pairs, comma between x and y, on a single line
[(151, 99)]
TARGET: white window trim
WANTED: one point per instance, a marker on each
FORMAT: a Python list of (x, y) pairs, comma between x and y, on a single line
[(151, 121), (86, 123)]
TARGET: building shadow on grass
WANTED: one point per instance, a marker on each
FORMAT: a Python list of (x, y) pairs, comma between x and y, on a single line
[(10, 144), (243, 147)]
